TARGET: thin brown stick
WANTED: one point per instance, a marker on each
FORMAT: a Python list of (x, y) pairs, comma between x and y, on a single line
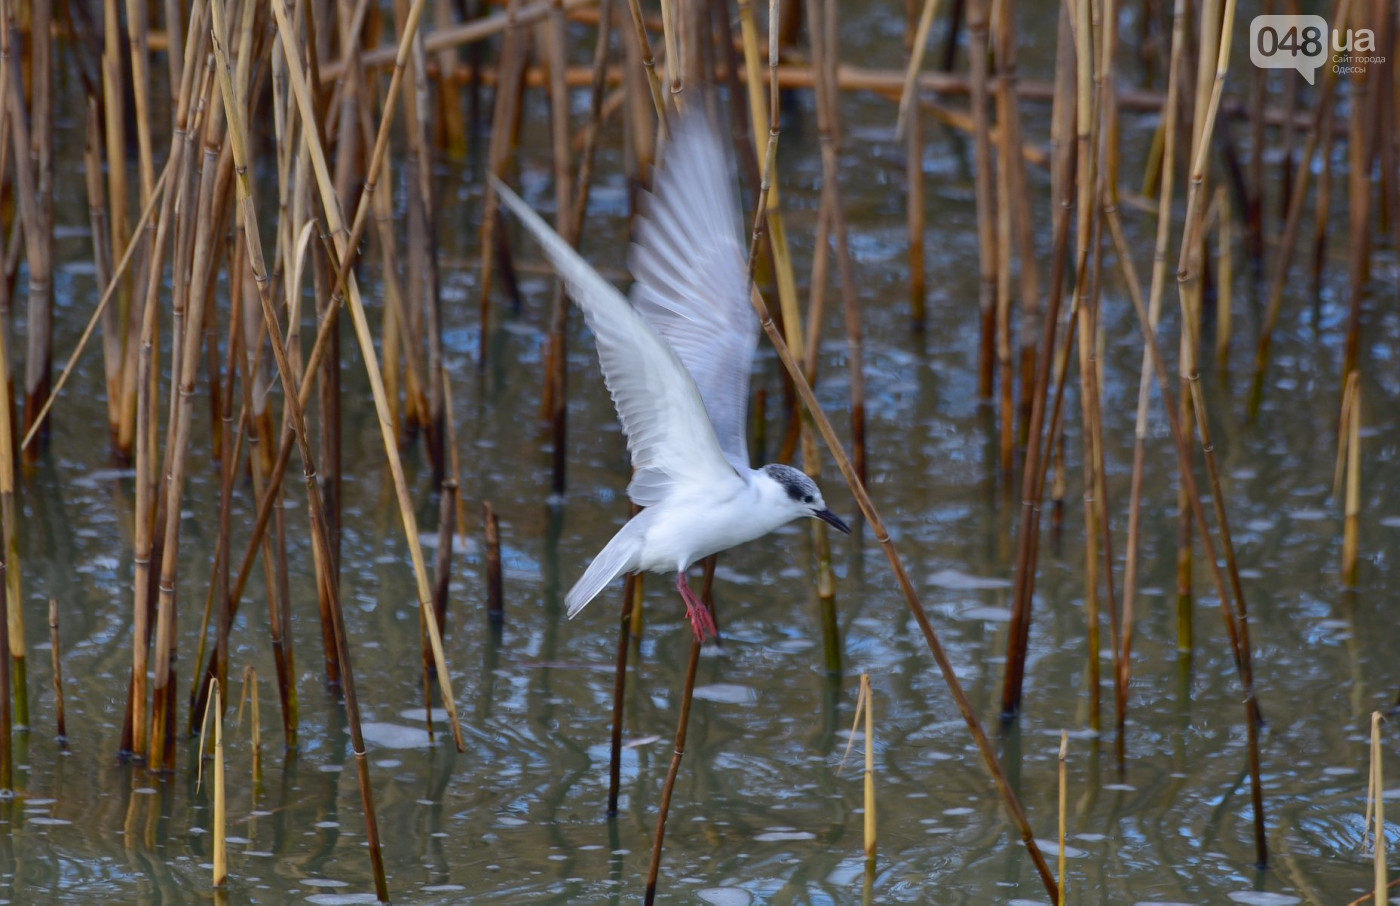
[(663, 810), (60, 721)]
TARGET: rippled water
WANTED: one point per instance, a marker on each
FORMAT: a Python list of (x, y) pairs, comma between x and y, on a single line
[(762, 810)]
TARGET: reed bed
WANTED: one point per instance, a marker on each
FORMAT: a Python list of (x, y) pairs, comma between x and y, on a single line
[(292, 126)]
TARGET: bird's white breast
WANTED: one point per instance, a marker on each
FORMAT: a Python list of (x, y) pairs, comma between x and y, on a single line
[(690, 526)]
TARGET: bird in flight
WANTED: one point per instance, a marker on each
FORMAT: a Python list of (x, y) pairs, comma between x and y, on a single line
[(676, 359)]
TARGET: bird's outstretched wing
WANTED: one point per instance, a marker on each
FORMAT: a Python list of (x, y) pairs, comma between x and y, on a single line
[(668, 433), (692, 276)]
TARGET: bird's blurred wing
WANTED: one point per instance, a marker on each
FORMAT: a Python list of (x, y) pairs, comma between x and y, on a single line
[(692, 276), (668, 433)]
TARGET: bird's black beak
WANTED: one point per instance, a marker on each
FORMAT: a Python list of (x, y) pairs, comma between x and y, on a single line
[(833, 520)]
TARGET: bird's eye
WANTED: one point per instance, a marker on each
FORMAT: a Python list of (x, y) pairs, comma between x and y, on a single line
[(807, 499)]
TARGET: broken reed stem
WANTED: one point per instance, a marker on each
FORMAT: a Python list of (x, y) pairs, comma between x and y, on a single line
[(682, 725), (60, 721)]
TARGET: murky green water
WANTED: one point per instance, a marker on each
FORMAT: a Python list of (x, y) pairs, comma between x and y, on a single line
[(761, 812)]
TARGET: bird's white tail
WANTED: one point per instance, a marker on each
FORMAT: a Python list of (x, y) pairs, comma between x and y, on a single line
[(618, 556)]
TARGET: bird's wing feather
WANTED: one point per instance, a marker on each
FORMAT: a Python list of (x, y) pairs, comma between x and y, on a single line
[(692, 277), (668, 433)]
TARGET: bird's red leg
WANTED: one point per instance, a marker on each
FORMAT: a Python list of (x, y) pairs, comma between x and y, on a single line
[(700, 619)]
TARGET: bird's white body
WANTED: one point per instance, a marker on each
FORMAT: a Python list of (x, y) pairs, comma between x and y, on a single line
[(676, 359), (689, 526)]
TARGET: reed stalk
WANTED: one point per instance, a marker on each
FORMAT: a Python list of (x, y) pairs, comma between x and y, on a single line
[(1360, 153), (220, 798), (1063, 810), (630, 595), (238, 135), (250, 689), (162, 740), (1014, 227), (60, 721), (7, 757), (1382, 884), (1154, 312), (340, 237), (102, 260), (1352, 426), (495, 597), (1086, 236), (503, 122), (987, 250), (555, 405), (867, 507), (1322, 209), (1284, 255), (678, 752), (915, 46), (39, 246), (764, 116), (1187, 281), (1224, 282), (114, 121), (1040, 453), (869, 785), (320, 346), (38, 237), (1236, 619), (909, 121), (9, 530), (442, 566)]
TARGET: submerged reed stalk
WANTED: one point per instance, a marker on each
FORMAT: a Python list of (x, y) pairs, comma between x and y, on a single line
[(1377, 805), (682, 726), (60, 721), (495, 597)]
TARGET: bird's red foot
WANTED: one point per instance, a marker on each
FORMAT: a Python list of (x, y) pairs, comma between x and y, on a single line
[(700, 619)]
